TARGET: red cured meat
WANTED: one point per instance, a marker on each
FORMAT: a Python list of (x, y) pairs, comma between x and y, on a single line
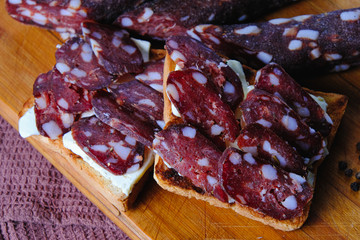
[(302, 44), (264, 143), (270, 111), (112, 150), (76, 61), (153, 74), (162, 19), (192, 155), (189, 53), (51, 121), (273, 79), (122, 119), (268, 189), (67, 15), (201, 107), (141, 98), (115, 51)]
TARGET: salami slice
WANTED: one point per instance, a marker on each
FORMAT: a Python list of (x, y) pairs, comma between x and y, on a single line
[(141, 98), (324, 42), (271, 112), (153, 74), (262, 142), (76, 61), (201, 107), (112, 150), (122, 119), (273, 79), (263, 187), (190, 53), (67, 15), (51, 121), (161, 19), (69, 97), (115, 51), (192, 155)]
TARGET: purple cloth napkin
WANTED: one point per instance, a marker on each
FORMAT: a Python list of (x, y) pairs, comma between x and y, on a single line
[(38, 202)]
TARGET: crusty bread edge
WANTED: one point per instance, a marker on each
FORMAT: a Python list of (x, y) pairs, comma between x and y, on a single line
[(98, 183), (336, 109)]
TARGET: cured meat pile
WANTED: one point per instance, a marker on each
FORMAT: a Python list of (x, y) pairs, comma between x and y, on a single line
[(264, 164), (85, 93)]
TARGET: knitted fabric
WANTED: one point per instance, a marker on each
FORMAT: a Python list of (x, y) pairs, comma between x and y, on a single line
[(38, 202)]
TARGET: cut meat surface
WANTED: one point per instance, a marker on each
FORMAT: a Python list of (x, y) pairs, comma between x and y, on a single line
[(189, 53), (141, 98), (114, 49), (160, 19), (324, 42), (122, 119), (273, 79), (192, 155), (201, 107), (112, 150), (51, 121), (268, 189), (271, 112), (67, 15), (153, 74), (77, 62), (262, 142)]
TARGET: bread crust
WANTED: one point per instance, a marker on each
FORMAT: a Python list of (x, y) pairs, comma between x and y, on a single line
[(170, 180), (102, 185)]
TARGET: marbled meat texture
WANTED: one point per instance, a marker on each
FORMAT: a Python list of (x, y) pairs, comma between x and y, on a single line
[(122, 119), (153, 74), (263, 187), (262, 142), (324, 42), (272, 112), (273, 79), (200, 106), (67, 15), (162, 19), (114, 49), (192, 155), (189, 53), (112, 150), (77, 62), (141, 98)]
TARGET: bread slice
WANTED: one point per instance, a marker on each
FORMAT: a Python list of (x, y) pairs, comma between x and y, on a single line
[(170, 180), (101, 184)]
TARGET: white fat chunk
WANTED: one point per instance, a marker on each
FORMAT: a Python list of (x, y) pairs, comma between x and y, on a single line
[(144, 47), (350, 15), (269, 172), (301, 18), (308, 34), (204, 162), (39, 18), (264, 123), (264, 57), (15, 2), (199, 77), (78, 73), (278, 21), (147, 102), (160, 123), (62, 67), (172, 91), (249, 158), (130, 140), (148, 12), (274, 80), (267, 148), (211, 180), (216, 130), (157, 87), (96, 35), (252, 29), (126, 22), (95, 47), (295, 45), (121, 151), (65, 12), (289, 123), (52, 129), (40, 102), (86, 56), (229, 88), (75, 4), (235, 158), (129, 49), (99, 148), (290, 203), (63, 103), (189, 132), (252, 150), (27, 124), (297, 178), (176, 56), (67, 119)]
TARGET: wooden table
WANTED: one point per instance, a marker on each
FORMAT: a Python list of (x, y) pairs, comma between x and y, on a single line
[(27, 51)]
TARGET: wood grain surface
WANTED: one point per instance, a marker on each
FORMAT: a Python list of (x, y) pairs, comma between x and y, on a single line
[(27, 51)]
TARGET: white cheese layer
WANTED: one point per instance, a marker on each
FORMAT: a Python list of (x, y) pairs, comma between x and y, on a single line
[(125, 182), (27, 124)]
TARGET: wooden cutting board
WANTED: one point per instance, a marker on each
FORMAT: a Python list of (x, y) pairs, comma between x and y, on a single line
[(27, 51)]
